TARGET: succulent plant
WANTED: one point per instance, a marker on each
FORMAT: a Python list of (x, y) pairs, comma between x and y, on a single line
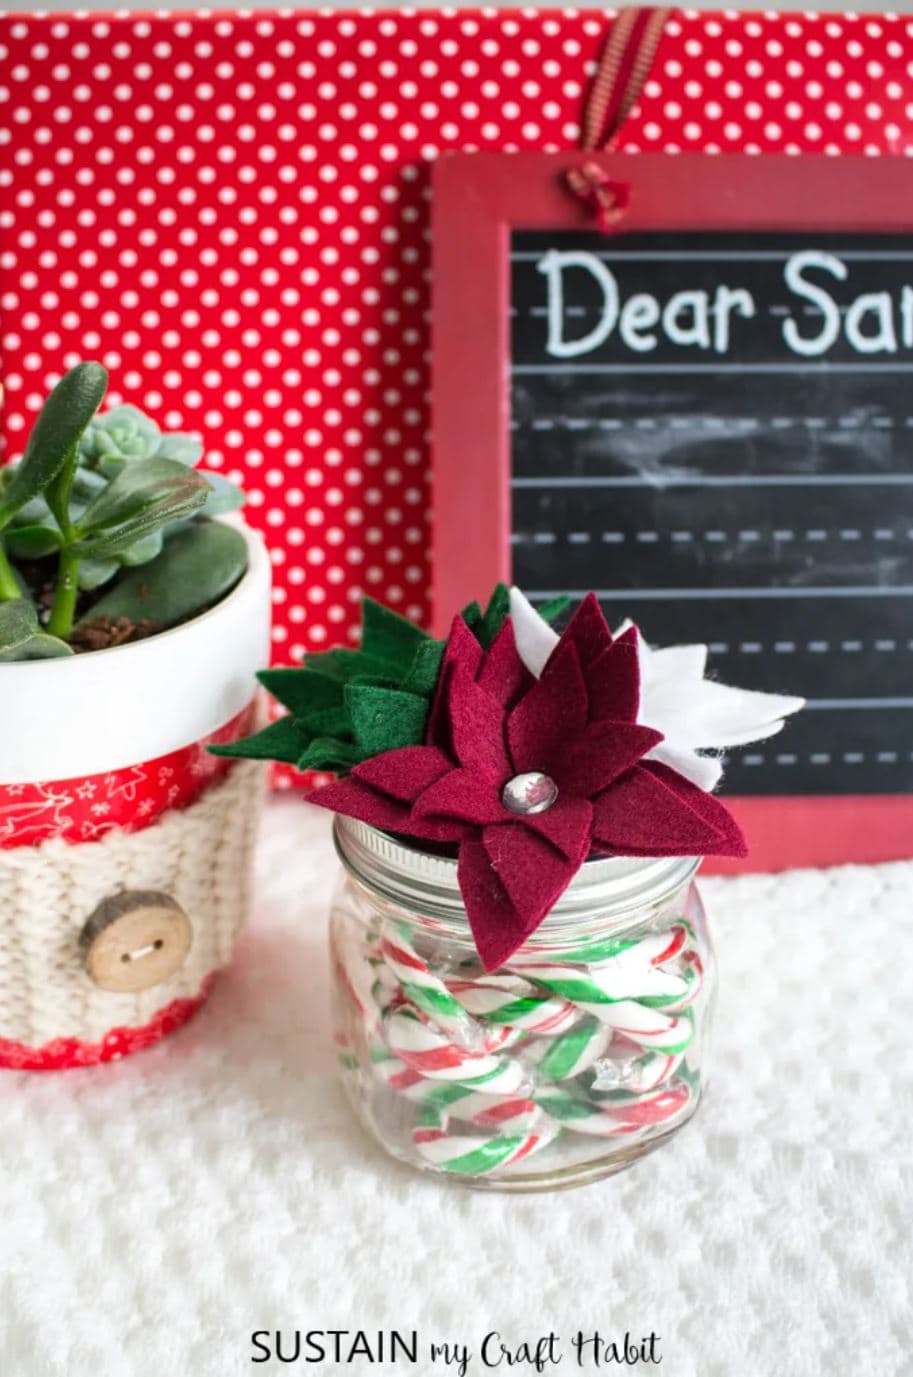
[(100, 495)]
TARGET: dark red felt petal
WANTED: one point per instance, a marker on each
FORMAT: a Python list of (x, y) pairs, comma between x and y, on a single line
[(354, 799), (593, 759), (711, 809), (462, 794), (404, 773), (462, 648), (641, 815), (503, 674), (476, 726), (509, 882), (613, 681), (549, 715), (587, 631), (567, 825), (497, 928)]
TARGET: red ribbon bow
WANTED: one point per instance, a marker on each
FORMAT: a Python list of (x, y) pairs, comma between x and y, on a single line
[(608, 199)]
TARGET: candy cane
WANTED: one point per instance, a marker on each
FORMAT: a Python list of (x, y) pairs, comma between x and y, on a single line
[(511, 1113), (423, 1048), (628, 1066), (471, 1155), (422, 988), (585, 1039), (510, 1000), (616, 1116), (574, 1052)]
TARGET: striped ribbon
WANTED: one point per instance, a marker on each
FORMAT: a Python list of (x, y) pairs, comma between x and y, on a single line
[(623, 69)]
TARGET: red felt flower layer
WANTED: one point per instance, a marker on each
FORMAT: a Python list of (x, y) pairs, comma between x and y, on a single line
[(491, 721)]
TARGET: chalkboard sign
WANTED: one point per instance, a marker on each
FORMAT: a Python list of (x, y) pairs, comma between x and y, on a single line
[(715, 432), (706, 417)]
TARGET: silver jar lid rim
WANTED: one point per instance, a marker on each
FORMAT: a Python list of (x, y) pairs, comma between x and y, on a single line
[(427, 883)]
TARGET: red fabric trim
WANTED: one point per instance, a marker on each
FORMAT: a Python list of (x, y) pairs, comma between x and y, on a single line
[(82, 810), (64, 1053)]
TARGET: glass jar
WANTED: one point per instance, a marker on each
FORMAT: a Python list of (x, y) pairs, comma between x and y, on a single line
[(582, 1053)]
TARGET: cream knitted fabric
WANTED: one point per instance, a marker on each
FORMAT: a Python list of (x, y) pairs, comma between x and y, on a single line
[(199, 855)]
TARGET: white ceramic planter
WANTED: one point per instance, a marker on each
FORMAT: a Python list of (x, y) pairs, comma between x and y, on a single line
[(124, 846)]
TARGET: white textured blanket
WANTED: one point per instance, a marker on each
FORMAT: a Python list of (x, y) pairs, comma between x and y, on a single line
[(156, 1212)]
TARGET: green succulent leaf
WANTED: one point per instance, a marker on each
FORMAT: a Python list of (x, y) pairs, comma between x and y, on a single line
[(18, 623), (224, 497), (21, 637), (32, 542), (142, 551), (55, 435), (40, 647), (145, 496), (198, 565), (183, 449), (94, 573)]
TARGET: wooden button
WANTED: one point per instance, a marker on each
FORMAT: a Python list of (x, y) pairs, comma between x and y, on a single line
[(135, 940)]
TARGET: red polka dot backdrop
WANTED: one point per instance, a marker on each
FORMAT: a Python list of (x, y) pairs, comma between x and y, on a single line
[(231, 212)]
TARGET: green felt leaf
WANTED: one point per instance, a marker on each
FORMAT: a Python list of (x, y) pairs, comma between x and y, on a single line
[(472, 615), (345, 665), (281, 740), (552, 609), (333, 721), (494, 616), (143, 497), (18, 623), (385, 635), (55, 435), (198, 566), (385, 719), (327, 753), (302, 690), (425, 668)]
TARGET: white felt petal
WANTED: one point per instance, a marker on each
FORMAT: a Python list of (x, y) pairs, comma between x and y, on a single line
[(712, 714), (703, 770), (535, 638), (689, 661)]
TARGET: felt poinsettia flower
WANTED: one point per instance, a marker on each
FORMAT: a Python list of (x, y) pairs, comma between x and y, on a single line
[(528, 776), (693, 713)]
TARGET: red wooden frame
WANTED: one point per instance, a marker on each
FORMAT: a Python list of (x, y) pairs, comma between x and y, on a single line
[(479, 198)]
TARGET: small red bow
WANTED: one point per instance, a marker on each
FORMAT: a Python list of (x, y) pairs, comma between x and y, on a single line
[(607, 199)]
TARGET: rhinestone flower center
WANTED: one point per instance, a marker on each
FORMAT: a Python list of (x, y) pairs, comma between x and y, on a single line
[(533, 792)]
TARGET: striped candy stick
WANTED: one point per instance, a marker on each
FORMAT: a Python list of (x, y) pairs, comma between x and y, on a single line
[(599, 950), (472, 1155), (425, 1049), (355, 972), (592, 988), (511, 1113), (614, 1118), (572, 1053), (423, 989), (626, 1066), (514, 1002), (650, 1028)]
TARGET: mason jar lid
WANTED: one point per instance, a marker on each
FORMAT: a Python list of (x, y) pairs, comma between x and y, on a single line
[(426, 883)]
